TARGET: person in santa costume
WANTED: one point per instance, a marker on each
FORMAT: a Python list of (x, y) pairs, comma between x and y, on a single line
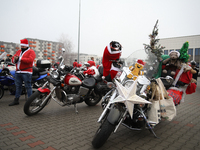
[(91, 62), (111, 54), (24, 60), (75, 63)]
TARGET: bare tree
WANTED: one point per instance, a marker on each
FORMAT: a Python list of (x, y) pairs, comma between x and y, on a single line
[(68, 46)]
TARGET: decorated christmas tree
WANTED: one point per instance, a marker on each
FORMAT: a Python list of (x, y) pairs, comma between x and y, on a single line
[(154, 51), (153, 47)]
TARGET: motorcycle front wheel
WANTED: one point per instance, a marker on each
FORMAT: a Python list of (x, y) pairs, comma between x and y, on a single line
[(102, 134), (93, 99), (33, 104)]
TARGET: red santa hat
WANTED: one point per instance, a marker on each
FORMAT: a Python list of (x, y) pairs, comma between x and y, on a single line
[(24, 42), (139, 61)]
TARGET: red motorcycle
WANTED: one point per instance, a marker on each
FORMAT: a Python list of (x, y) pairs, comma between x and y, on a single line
[(66, 89)]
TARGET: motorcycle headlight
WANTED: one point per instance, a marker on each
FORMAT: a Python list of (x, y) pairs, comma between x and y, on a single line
[(110, 85), (141, 105), (62, 67), (55, 74), (62, 78)]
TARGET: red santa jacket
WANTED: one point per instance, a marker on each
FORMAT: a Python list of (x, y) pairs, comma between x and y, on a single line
[(92, 63), (25, 62), (107, 56), (186, 78), (75, 64)]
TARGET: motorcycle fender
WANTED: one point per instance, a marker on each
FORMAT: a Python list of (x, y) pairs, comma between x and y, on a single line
[(45, 90), (114, 115)]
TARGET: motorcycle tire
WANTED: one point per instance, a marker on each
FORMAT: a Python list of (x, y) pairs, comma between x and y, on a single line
[(32, 105), (93, 99), (102, 134), (1, 92)]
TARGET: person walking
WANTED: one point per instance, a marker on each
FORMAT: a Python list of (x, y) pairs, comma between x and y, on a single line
[(91, 62), (24, 60)]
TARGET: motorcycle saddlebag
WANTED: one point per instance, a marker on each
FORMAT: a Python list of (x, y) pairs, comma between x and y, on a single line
[(43, 63)]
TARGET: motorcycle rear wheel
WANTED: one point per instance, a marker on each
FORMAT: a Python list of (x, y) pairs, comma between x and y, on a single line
[(102, 134), (1, 92), (93, 99), (32, 106)]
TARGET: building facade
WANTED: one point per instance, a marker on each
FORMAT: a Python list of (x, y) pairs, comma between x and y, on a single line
[(47, 50), (86, 57), (8, 47), (176, 43)]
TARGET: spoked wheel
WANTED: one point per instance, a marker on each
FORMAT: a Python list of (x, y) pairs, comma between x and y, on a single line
[(34, 103), (93, 99), (1, 92), (102, 134)]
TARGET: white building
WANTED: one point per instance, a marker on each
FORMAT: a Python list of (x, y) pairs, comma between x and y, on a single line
[(176, 43), (86, 57)]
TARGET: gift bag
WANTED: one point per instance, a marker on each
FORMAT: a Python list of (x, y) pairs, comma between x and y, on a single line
[(153, 111), (167, 107)]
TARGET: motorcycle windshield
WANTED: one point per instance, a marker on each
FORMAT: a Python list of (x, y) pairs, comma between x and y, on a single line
[(3, 56), (147, 59)]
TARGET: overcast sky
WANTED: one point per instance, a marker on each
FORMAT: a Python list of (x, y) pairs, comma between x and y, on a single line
[(126, 21)]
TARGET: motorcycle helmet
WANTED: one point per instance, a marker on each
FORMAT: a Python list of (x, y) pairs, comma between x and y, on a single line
[(115, 46), (193, 63)]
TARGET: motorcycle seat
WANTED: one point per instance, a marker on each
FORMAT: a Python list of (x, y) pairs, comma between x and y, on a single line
[(107, 78), (34, 77), (89, 82), (98, 78), (43, 72), (100, 69), (38, 71)]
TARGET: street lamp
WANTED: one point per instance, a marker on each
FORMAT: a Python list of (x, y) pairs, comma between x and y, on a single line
[(79, 28)]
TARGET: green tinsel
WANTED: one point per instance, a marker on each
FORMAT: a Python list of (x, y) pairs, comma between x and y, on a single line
[(184, 57)]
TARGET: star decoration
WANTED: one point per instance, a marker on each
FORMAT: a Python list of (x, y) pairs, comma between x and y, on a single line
[(128, 96)]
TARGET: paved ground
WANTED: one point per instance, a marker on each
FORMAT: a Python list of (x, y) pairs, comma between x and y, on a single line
[(60, 128)]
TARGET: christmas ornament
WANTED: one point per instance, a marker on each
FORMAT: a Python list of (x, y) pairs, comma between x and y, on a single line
[(129, 97)]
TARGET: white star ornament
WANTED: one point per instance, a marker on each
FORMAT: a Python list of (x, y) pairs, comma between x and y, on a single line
[(129, 97)]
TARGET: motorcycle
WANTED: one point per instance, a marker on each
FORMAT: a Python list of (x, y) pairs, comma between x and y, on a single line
[(7, 77), (127, 101), (66, 89)]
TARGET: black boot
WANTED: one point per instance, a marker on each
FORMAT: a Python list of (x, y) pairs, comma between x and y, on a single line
[(15, 102)]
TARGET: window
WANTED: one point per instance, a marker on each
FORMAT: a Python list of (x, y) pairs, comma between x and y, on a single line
[(177, 50), (197, 51), (190, 51), (171, 50), (165, 52), (197, 55)]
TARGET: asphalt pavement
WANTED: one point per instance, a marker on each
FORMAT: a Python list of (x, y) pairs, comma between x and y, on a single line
[(60, 128)]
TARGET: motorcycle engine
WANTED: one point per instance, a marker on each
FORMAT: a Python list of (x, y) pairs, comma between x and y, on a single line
[(71, 89), (70, 98)]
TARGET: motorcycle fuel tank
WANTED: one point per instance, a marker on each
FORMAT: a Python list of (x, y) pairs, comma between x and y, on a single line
[(71, 79)]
